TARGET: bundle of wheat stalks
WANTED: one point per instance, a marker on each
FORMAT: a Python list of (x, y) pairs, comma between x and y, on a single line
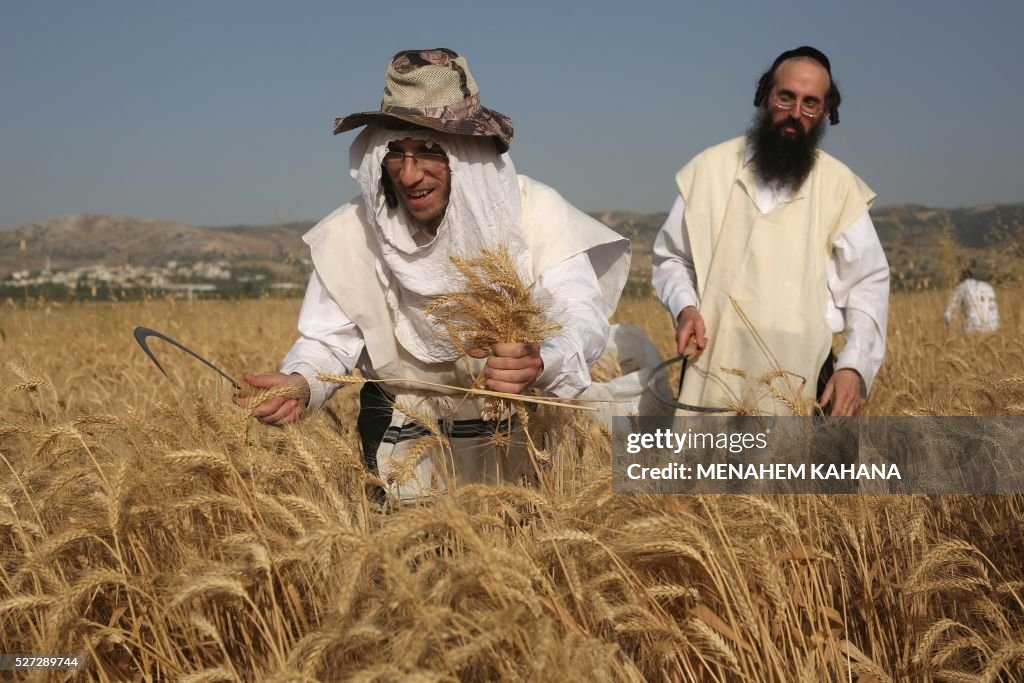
[(146, 523), (492, 304)]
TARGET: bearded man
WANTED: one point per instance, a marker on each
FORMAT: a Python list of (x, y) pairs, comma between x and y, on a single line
[(768, 251), (435, 181)]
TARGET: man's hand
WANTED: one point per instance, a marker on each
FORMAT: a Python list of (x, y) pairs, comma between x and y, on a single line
[(511, 367), (844, 389), (690, 324), (276, 411)]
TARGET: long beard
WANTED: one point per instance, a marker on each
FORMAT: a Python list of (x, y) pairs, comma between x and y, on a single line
[(783, 160)]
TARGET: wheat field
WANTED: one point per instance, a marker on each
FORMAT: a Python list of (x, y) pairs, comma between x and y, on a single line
[(146, 523)]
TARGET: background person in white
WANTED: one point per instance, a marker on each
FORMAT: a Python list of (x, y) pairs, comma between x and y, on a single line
[(976, 301), (778, 170)]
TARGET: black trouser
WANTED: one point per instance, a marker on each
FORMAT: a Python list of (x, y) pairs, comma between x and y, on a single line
[(375, 408), (828, 368)]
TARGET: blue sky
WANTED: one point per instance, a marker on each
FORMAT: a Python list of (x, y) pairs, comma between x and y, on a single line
[(215, 113)]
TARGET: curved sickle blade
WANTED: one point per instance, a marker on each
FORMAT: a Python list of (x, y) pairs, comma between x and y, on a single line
[(652, 387), (141, 333)]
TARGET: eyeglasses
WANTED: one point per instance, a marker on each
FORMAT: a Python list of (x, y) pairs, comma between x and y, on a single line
[(785, 102), (425, 161)]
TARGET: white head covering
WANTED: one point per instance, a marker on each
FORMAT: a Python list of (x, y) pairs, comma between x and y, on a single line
[(483, 212)]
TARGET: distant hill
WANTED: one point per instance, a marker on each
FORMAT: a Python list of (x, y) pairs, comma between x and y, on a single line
[(976, 226), (980, 227), (84, 239), (923, 244)]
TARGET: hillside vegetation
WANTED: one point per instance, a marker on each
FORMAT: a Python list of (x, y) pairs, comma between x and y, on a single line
[(918, 241)]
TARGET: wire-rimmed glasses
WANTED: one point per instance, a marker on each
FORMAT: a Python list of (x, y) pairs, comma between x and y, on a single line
[(786, 102), (425, 161)]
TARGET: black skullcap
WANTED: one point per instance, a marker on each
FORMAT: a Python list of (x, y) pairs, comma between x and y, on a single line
[(804, 51), (767, 80)]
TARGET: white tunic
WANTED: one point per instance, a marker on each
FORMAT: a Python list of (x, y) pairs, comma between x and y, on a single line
[(976, 300), (857, 277)]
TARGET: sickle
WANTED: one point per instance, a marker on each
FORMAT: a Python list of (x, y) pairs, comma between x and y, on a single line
[(652, 387), (141, 333)]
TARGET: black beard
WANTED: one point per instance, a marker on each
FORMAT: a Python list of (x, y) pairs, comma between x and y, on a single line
[(783, 160)]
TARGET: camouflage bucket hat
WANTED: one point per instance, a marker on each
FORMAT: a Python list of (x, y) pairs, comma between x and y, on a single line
[(433, 89)]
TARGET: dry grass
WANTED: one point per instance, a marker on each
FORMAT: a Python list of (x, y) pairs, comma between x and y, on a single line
[(144, 521)]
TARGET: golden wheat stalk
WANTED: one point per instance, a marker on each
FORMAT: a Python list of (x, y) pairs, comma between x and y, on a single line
[(560, 402), (494, 305), (777, 370)]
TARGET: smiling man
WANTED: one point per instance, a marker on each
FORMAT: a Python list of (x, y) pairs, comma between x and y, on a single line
[(435, 181), (768, 250), (424, 185)]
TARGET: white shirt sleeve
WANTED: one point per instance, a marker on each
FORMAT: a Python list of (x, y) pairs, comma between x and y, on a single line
[(329, 343), (673, 276), (573, 292), (858, 279)]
